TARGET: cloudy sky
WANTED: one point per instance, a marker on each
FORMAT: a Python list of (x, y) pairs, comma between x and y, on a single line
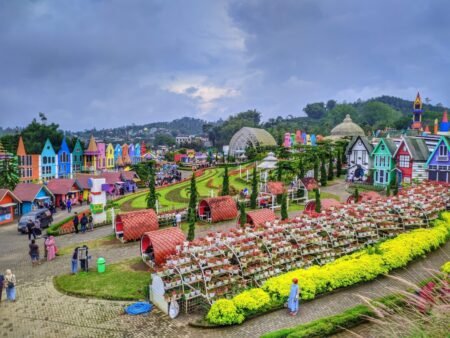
[(106, 63)]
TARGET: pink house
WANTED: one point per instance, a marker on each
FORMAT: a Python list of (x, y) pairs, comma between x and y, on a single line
[(101, 159)]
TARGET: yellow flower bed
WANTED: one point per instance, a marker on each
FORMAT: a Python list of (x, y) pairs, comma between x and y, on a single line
[(446, 267), (361, 266)]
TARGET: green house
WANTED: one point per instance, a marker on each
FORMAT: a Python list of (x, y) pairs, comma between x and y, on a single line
[(77, 157), (383, 162)]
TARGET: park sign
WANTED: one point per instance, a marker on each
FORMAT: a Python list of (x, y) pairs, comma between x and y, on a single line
[(96, 208)]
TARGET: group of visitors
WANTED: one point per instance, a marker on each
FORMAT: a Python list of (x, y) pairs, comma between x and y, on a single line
[(50, 250), (80, 254), (84, 221), (168, 176), (177, 220), (8, 282)]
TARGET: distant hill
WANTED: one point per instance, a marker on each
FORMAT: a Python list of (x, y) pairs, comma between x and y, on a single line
[(403, 106), (146, 132)]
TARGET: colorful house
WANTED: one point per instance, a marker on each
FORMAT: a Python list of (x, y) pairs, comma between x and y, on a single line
[(438, 164), (143, 148), (29, 165), (8, 203), (383, 162), (137, 153), (129, 179), (101, 159), (444, 126), (417, 113), (125, 155), (118, 155), (90, 156), (32, 196), (77, 158), (359, 159), (410, 157), (64, 160), (110, 157), (131, 153), (65, 189), (49, 162), (83, 184)]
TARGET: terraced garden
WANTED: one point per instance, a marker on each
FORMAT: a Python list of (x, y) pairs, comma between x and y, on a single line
[(176, 196)]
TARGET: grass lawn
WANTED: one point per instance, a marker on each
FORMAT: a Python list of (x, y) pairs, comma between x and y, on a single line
[(323, 194), (125, 280), (94, 243)]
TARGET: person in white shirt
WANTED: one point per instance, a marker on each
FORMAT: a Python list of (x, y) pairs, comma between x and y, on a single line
[(178, 219)]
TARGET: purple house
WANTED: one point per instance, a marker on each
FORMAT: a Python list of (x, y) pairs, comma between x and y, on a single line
[(438, 164), (101, 159), (131, 153)]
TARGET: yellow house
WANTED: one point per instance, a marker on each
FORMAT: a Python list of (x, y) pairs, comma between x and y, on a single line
[(110, 156)]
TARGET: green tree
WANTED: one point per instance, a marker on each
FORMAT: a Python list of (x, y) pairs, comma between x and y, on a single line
[(338, 164), (225, 182), (315, 110), (301, 169), (316, 169), (191, 229), (331, 168), (284, 211), (193, 195), (394, 184), (331, 104), (9, 172), (323, 173), (318, 206), (152, 196), (242, 215), (388, 190), (356, 195), (254, 195)]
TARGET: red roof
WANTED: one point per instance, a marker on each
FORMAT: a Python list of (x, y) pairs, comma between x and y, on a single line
[(4, 192), (135, 224), (164, 242), (62, 186), (275, 188), (27, 191), (310, 183), (111, 178), (367, 196), (221, 208), (325, 203), (260, 216)]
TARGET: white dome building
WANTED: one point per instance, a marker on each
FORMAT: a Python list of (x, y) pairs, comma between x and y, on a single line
[(252, 137), (346, 129)]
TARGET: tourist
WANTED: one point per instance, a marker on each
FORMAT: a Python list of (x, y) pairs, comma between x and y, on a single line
[(178, 219), (10, 285), (2, 281), (83, 222), (34, 252), (75, 261), (69, 206), (51, 248), (37, 227), (30, 229), (76, 222), (293, 297), (91, 222)]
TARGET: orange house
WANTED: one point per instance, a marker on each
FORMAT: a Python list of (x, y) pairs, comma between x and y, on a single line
[(29, 165), (8, 202)]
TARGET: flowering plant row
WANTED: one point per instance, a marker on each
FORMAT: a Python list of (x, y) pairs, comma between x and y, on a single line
[(361, 266)]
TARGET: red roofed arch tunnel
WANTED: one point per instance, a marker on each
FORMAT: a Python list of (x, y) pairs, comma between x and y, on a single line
[(157, 245), (131, 226), (217, 209)]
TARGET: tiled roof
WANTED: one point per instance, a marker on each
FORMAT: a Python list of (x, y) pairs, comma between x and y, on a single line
[(62, 186), (21, 147), (275, 188), (310, 183), (366, 196), (164, 242), (4, 192), (27, 191), (260, 216), (325, 203), (222, 208), (111, 178), (364, 140), (83, 180), (130, 176), (135, 224), (418, 148)]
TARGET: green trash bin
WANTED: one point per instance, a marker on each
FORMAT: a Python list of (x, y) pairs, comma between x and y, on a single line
[(101, 265)]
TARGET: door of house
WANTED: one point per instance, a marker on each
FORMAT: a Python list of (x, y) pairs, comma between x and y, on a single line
[(381, 176)]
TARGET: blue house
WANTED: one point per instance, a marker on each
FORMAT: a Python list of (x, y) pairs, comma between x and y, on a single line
[(137, 153), (49, 162), (438, 164), (64, 161), (32, 196)]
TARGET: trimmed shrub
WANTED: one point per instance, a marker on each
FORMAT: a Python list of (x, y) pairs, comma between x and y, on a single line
[(224, 312)]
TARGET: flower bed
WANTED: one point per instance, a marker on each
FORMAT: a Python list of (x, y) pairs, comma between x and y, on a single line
[(348, 270)]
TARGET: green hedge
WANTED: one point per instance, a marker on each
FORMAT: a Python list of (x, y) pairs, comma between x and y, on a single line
[(53, 230)]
